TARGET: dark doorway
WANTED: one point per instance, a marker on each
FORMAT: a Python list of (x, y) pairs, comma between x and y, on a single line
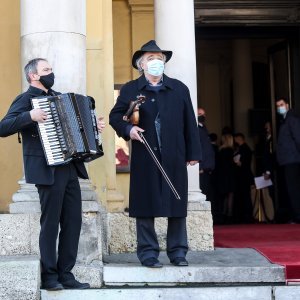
[(275, 71)]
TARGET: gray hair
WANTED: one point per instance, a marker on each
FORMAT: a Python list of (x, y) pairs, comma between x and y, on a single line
[(31, 67), (139, 61)]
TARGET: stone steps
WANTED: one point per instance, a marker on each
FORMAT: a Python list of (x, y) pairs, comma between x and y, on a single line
[(220, 274), (191, 293), (19, 278), (221, 266), (121, 275), (225, 293)]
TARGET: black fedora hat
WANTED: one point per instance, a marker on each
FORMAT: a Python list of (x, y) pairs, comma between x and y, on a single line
[(149, 47)]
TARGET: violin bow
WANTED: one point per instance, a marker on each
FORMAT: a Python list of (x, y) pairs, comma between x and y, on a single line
[(159, 166)]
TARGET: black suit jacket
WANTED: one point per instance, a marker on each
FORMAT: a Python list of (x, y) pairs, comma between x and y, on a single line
[(18, 119)]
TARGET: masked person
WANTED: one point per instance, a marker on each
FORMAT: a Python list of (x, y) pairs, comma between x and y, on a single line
[(207, 164), (167, 120), (58, 186), (288, 153)]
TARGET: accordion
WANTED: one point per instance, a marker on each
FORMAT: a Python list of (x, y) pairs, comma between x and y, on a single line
[(70, 131)]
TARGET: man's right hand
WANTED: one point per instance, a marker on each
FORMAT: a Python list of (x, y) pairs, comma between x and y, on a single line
[(134, 133), (38, 115)]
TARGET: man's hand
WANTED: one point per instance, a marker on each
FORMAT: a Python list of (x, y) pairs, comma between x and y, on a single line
[(192, 162), (100, 124), (134, 133), (38, 115)]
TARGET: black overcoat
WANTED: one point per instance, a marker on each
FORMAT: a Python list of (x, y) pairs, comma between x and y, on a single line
[(288, 143), (207, 150), (149, 195)]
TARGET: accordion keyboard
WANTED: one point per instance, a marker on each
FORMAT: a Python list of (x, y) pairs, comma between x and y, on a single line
[(51, 133)]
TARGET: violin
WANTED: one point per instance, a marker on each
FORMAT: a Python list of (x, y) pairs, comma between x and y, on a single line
[(132, 115)]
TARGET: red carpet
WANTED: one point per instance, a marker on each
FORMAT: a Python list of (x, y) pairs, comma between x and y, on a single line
[(280, 243)]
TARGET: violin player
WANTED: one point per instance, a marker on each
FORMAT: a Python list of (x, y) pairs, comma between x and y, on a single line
[(168, 123)]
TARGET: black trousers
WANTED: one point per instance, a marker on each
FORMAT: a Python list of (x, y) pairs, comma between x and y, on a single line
[(60, 205), (292, 178), (147, 244)]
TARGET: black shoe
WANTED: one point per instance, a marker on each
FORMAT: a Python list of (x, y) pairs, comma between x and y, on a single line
[(152, 262), (74, 284), (52, 286), (180, 262)]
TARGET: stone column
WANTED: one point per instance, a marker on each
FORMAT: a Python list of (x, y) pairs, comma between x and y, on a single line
[(179, 36), (55, 30), (174, 30), (242, 84)]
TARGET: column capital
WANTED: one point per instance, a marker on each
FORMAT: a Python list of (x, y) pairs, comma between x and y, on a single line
[(141, 5)]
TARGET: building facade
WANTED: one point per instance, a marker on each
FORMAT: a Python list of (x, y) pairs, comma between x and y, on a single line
[(235, 56)]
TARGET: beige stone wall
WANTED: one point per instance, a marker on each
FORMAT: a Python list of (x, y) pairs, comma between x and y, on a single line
[(10, 86), (122, 232), (121, 41), (133, 26)]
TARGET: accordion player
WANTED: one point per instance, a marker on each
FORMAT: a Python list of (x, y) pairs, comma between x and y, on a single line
[(70, 131)]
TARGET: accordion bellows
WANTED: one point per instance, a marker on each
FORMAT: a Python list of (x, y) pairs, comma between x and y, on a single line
[(70, 131)]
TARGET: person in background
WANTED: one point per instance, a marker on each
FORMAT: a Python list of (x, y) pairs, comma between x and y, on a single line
[(244, 180), (269, 159), (288, 153), (214, 141), (207, 165), (224, 181)]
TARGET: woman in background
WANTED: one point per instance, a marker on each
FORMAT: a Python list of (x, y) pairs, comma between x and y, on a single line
[(224, 176)]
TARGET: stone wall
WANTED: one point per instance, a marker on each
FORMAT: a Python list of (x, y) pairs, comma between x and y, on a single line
[(19, 238), (121, 231)]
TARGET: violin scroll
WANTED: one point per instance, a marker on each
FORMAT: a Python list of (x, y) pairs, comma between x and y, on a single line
[(132, 114)]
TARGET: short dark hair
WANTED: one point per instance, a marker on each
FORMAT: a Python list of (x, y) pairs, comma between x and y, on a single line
[(213, 137), (281, 99), (227, 130), (239, 134), (31, 67)]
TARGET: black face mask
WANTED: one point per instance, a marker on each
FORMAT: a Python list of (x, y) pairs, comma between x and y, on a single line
[(47, 80), (201, 119)]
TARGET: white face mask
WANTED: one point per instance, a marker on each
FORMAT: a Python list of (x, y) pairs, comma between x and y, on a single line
[(155, 67), (282, 110)]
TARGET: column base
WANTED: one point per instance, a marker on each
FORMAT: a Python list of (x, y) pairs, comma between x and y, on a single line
[(26, 199), (115, 201), (19, 235), (197, 201)]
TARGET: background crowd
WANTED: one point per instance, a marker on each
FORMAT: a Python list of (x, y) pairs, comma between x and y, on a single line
[(229, 166)]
